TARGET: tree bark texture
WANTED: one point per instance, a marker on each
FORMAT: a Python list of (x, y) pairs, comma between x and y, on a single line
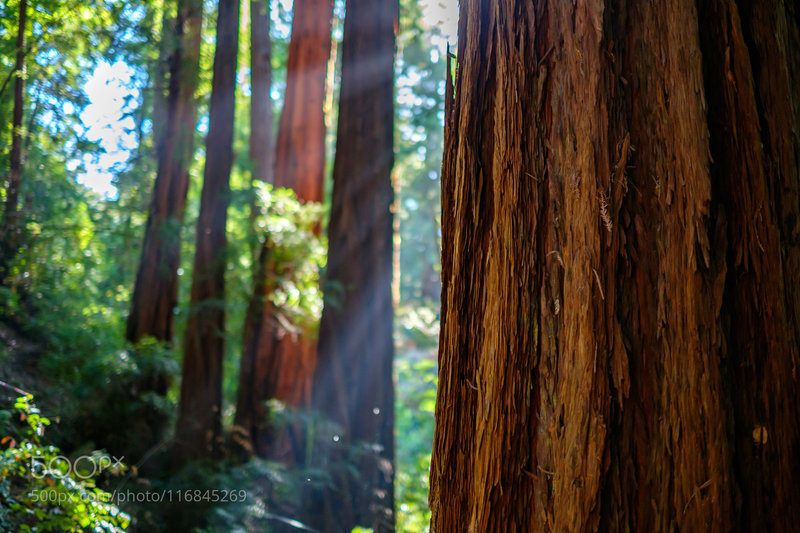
[(199, 413), (353, 383), (156, 289), (11, 234), (277, 363), (620, 298)]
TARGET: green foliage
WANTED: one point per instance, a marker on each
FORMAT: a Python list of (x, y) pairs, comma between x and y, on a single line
[(414, 420), (417, 330), (9, 301), (41, 491), (70, 285), (121, 402), (419, 139), (272, 497), (417, 326), (297, 252)]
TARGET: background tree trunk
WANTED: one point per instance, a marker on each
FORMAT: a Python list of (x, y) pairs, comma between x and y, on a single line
[(261, 142), (277, 364), (11, 233), (620, 264), (353, 382), (250, 416), (199, 412), (156, 289), (166, 51), (300, 151)]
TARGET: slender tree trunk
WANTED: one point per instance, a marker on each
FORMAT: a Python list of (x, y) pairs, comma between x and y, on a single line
[(199, 416), (262, 151), (620, 308), (250, 415), (166, 51), (276, 363), (353, 382), (11, 234), (156, 290)]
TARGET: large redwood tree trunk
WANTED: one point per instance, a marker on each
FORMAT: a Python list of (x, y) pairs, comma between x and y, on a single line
[(156, 289), (621, 261), (353, 383), (199, 412), (11, 230), (278, 364)]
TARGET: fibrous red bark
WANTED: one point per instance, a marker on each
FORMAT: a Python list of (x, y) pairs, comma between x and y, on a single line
[(300, 150), (620, 263)]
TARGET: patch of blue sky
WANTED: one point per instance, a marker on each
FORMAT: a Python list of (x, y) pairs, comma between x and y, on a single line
[(107, 120), (113, 97), (443, 15)]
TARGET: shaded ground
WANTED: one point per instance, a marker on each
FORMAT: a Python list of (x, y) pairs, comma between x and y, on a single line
[(18, 362)]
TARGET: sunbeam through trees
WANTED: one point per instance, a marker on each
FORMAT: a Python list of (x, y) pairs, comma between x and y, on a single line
[(351, 266)]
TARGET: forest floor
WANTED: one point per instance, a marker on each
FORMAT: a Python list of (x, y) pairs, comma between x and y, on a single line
[(18, 360)]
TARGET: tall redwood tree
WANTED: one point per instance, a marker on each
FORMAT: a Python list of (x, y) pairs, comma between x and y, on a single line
[(155, 292), (276, 363), (199, 412), (620, 333), (353, 383)]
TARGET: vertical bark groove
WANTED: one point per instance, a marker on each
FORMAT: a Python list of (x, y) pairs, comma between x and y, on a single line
[(756, 175)]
